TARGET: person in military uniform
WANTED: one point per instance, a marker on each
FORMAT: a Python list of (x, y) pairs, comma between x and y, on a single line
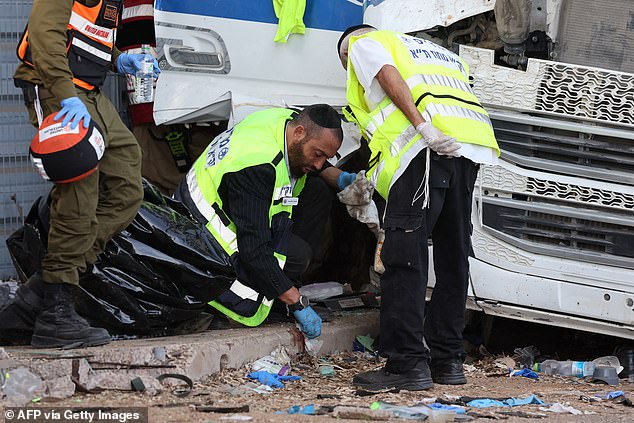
[(427, 134), (65, 52), (244, 188)]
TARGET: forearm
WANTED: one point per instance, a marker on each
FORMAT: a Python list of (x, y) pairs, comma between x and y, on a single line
[(397, 90), (331, 175), (115, 55), (47, 39)]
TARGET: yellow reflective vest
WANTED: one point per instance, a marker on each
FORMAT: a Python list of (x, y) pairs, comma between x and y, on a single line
[(258, 139), (439, 82)]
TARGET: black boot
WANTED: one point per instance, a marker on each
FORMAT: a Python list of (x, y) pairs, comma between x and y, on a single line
[(448, 371), (17, 317), (416, 379), (59, 325)]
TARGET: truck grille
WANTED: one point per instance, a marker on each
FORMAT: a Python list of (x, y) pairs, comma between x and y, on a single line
[(566, 147), (561, 231)]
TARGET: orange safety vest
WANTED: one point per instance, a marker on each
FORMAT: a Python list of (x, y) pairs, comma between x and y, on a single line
[(90, 42)]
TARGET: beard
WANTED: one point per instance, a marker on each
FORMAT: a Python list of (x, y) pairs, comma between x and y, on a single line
[(296, 159)]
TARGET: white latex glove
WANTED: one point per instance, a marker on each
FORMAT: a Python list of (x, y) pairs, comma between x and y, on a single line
[(442, 144)]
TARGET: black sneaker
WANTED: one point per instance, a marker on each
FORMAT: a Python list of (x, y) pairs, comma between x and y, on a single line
[(448, 372), (416, 379), (59, 325), (17, 317)]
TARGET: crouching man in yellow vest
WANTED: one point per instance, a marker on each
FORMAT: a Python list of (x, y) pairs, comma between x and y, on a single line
[(243, 188), (427, 134)]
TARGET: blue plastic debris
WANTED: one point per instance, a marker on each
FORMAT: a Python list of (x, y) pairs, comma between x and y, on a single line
[(525, 373), (296, 409), (271, 379), (610, 395), (509, 402), (455, 408)]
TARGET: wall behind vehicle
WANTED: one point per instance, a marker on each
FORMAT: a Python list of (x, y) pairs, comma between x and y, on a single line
[(20, 185)]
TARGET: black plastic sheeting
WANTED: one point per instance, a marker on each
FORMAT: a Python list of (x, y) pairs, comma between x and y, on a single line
[(154, 278)]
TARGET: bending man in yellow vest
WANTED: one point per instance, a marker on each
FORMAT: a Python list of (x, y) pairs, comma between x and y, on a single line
[(427, 134), (243, 188)]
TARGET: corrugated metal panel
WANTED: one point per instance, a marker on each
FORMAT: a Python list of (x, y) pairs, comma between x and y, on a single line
[(598, 33), (19, 184)]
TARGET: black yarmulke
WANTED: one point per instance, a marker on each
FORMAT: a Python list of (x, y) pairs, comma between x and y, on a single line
[(348, 31), (324, 116)]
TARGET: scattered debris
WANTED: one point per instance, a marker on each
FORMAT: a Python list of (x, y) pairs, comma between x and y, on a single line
[(296, 409), (527, 373), (560, 408), (277, 362), (321, 291), (523, 414), (20, 386), (245, 389), (179, 391), (505, 363), (236, 417), (328, 396), (327, 371), (223, 409), (508, 402), (271, 379), (525, 357), (363, 343), (365, 393), (360, 413)]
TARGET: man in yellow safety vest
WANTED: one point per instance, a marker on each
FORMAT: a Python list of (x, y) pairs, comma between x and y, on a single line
[(427, 134), (244, 188)]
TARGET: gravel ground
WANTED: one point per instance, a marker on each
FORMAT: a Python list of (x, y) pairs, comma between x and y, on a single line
[(484, 380)]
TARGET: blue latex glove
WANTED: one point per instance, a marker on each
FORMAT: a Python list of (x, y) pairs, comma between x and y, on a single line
[(130, 63), (73, 110), (345, 179), (309, 322), (271, 379), (526, 373)]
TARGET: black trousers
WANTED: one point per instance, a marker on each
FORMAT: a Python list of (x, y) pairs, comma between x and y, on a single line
[(404, 326), (310, 216)]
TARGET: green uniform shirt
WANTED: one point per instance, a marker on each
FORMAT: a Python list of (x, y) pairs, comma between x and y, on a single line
[(47, 39)]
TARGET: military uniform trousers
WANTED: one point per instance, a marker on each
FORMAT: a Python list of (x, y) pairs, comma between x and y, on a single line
[(85, 214)]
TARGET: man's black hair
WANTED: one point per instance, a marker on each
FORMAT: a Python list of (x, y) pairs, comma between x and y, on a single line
[(348, 31)]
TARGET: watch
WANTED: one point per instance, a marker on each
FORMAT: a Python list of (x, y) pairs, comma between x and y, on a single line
[(299, 305)]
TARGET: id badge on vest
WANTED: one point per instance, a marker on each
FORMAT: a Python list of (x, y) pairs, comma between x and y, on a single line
[(290, 201)]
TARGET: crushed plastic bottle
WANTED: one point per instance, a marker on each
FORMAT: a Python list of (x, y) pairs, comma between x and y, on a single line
[(576, 368), (20, 386)]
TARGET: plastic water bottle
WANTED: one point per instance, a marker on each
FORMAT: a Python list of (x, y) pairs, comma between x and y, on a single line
[(576, 368), (144, 81)]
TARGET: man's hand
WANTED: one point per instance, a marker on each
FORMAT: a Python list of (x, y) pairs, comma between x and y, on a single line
[(442, 144), (290, 296), (73, 111), (309, 322), (131, 63)]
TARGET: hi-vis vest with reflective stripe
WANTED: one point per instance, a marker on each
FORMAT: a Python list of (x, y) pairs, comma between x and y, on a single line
[(90, 42), (439, 82), (258, 139)]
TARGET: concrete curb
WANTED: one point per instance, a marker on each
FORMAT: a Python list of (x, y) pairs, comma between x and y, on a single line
[(198, 356)]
